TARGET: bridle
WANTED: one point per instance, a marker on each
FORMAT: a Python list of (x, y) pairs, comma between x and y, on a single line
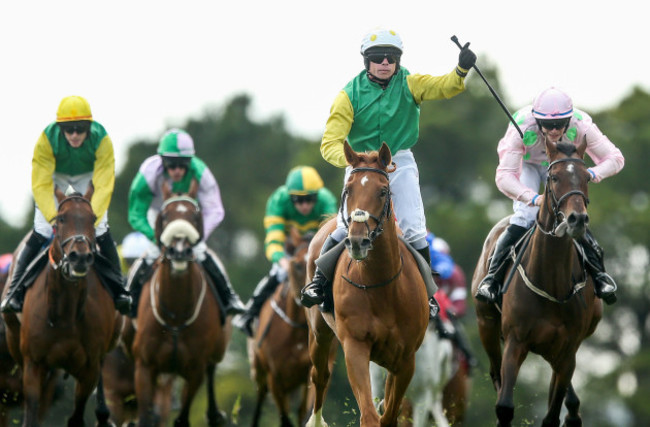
[(64, 262), (359, 215), (558, 216)]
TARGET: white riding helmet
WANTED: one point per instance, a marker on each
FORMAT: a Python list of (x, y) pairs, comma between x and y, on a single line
[(552, 104), (134, 245), (381, 37)]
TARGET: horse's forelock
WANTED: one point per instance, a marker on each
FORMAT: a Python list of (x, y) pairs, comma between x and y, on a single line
[(179, 228), (566, 148)]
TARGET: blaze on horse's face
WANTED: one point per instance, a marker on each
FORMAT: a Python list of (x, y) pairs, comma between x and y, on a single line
[(367, 198), (75, 233), (566, 196), (179, 226)]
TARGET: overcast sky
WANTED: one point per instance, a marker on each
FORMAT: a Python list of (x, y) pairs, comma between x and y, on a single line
[(146, 65)]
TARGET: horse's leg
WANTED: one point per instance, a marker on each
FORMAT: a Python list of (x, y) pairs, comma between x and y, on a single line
[(357, 358), (304, 401), (281, 400), (396, 385), (514, 355), (572, 403), (489, 326), (214, 415), (86, 382), (101, 410), (262, 390), (145, 378), (33, 377), (193, 381), (320, 342), (455, 394), (560, 382)]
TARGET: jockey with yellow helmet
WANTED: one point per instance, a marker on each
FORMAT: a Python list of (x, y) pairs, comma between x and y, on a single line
[(176, 164), (382, 104), (523, 167), (302, 202), (72, 151)]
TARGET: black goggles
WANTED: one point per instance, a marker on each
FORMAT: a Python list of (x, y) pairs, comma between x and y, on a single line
[(554, 124), (378, 56), (307, 198), (75, 127), (175, 163)]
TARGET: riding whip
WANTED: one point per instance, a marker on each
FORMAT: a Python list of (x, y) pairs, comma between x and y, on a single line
[(455, 40)]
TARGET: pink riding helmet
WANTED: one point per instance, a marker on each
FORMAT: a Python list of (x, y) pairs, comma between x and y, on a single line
[(552, 104)]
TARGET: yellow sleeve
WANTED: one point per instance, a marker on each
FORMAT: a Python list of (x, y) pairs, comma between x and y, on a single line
[(337, 129), (43, 166), (103, 178), (425, 87)]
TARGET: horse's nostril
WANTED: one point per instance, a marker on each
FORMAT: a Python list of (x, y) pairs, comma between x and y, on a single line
[(187, 252), (365, 243), (73, 256), (89, 258)]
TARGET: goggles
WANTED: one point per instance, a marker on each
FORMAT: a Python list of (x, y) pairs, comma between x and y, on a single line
[(175, 162), (307, 198), (75, 127), (554, 124), (377, 56)]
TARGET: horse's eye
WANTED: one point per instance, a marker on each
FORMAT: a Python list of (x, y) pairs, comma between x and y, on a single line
[(554, 178), (60, 219), (384, 192)]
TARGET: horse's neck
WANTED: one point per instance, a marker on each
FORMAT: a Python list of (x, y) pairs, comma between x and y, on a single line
[(180, 289), (64, 297), (385, 249), (295, 310), (549, 254)]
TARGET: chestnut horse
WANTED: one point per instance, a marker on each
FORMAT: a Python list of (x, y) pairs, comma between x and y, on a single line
[(68, 321), (550, 306), (380, 299), (279, 351), (179, 329)]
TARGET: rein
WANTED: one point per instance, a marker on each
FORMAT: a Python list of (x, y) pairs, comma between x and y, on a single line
[(377, 285)]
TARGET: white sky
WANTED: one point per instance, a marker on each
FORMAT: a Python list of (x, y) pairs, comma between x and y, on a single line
[(144, 65)]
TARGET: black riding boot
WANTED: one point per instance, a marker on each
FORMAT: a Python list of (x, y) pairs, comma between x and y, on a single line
[(604, 283), (121, 297), (314, 292), (229, 297), (13, 302), (139, 273), (434, 307), (489, 287), (262, 292)]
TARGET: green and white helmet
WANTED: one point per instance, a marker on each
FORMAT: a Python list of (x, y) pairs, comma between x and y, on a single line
[(176, 143)]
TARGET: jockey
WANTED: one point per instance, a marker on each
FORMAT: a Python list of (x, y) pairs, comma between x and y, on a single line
[(451, 278), (382, 104), (302, 202), (73, 151), (176, 164), (523, 168)]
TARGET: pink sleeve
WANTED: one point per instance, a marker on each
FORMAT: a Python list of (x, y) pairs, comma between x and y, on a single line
[(511, 152), (608, 158)]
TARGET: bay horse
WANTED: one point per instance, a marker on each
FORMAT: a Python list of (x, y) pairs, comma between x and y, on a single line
[(279, 350), (550, 306), (68, 321), (179, 329), (380, 311)]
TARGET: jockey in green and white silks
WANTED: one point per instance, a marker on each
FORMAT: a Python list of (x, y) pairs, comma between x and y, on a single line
[(302, 203), (382, 104), (176, 164), (72, 152)]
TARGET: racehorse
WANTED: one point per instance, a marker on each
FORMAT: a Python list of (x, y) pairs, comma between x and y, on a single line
[(179, 328), (68, 321), (279, 351), (550, 305), (380, 309)]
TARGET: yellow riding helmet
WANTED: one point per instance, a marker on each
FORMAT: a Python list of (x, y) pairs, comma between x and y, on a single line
[(303, 180), (73, 109)]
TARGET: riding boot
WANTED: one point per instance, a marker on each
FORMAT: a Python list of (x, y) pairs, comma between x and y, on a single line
[(262, 292), (434, 307), (604, 283), (314, 292), (13, 302), (489, 287), (121, 297), (140, 272), (229, 297)]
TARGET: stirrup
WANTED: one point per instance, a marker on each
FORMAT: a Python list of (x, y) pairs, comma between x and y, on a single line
[(244, 322), (312, 294), (11, 305), (485, 291)]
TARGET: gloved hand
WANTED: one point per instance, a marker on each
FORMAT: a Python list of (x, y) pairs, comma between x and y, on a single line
[(466, 58)]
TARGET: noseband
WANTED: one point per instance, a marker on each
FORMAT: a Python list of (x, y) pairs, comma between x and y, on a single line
[(558, 216), (359, 215)]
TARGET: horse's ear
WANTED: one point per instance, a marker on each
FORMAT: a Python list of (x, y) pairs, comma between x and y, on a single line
[(166, 190), (350, 155), (551, 149), (194, 188), (582, 147), (89, 191), (59, 194), (385, 157)]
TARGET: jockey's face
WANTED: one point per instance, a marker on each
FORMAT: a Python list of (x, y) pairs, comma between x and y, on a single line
[(383, 71), (75, 132), (304, 204)]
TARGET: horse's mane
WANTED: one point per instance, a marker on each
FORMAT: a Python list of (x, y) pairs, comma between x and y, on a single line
[(566, 148)]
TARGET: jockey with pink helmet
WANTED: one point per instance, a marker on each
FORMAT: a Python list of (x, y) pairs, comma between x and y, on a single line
[(523, 168)]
